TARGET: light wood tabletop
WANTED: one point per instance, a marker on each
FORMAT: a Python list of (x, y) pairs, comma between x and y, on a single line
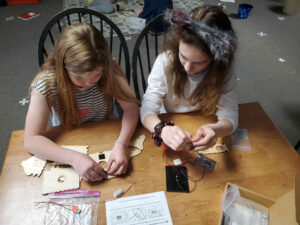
[(268, 169)]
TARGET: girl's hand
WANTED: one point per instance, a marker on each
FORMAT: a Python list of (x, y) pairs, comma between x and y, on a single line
[(204, 138), (118, 160), (176, 138), (87, 168)]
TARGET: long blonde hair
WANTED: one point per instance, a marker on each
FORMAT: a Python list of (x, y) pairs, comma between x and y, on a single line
[(80, 49), (209, 90)]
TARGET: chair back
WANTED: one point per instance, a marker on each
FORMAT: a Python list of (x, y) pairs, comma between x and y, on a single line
[(111, 32), (297, 145), (146, 48)]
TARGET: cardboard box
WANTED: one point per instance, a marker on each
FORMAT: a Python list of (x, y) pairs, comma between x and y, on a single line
[(282, 211)]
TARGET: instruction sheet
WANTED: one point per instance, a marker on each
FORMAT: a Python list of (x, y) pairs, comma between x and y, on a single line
[(143, 209)]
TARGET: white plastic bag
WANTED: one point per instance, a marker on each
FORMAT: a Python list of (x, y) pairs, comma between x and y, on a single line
[(60, 212), (241, 211)]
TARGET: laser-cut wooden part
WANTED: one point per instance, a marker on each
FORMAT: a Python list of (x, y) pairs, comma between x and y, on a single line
[(33, 166), (217, 148), (138, 142), (60, 179)]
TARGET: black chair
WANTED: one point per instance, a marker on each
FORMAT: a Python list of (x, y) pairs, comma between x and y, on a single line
[(109, 29), (145, 51), (297, 145)]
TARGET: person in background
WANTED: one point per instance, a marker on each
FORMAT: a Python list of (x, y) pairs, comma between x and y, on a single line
[(150, 10), (193, 73), (78, 83), (153, 8)]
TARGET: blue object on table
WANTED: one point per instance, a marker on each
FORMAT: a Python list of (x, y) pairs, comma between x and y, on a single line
[(244, 10)]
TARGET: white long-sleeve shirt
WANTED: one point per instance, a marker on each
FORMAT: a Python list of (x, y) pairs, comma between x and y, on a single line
[(160, 98)]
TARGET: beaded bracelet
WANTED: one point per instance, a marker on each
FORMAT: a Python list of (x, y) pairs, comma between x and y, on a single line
[(122, 143), (156, 135)]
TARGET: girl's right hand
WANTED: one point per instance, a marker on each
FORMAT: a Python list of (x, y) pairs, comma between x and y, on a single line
[(176, 138), (87, 168)]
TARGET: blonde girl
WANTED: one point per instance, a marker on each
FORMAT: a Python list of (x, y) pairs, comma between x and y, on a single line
[(193, 73), (78, 83)]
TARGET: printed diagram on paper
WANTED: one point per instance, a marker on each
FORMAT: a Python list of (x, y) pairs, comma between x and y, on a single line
[(141, 209)]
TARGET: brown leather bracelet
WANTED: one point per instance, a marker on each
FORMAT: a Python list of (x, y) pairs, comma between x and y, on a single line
[(156, 135)]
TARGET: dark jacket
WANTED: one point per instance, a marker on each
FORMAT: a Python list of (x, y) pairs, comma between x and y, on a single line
[(153, 8)]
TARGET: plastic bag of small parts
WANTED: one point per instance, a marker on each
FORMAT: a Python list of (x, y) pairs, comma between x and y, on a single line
[(85, 203), (238, 210), (240, 140)]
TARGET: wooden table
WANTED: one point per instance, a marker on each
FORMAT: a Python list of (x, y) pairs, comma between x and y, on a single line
[(268, 169)]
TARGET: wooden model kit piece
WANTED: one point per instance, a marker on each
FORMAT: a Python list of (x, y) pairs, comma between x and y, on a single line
[(100, 156), (60, 179), (217, 148), (135, 147), (33, 166), (104, 156), (137, 142), (78, 148)]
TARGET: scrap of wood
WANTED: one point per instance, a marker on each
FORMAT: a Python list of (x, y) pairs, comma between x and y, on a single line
[(33, 166)]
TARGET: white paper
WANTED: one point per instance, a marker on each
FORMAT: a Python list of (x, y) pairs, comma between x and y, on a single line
[(143, 209)]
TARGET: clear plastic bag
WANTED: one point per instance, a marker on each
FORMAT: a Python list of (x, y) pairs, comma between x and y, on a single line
[(238, 210), (240, 140), (75, 207)]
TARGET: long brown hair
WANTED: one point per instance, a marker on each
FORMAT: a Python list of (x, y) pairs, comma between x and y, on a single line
[(209, 90), (80, 49)]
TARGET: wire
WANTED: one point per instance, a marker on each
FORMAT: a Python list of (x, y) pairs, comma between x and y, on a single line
[(164, 154), (191, 178), (195, 181), (73, 208), (126, 191), (165, 148), (164, 158)]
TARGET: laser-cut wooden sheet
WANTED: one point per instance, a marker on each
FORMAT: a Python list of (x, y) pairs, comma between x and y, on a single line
[(60, 179), (219, 147), (34, 166), (135, 147), (77, 148), (137, 142)]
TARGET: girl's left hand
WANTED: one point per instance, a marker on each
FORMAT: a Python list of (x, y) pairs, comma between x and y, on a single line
[(204, 138), (118, 160)]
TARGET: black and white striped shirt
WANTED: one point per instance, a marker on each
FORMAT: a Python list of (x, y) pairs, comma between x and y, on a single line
[(93, 103)]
